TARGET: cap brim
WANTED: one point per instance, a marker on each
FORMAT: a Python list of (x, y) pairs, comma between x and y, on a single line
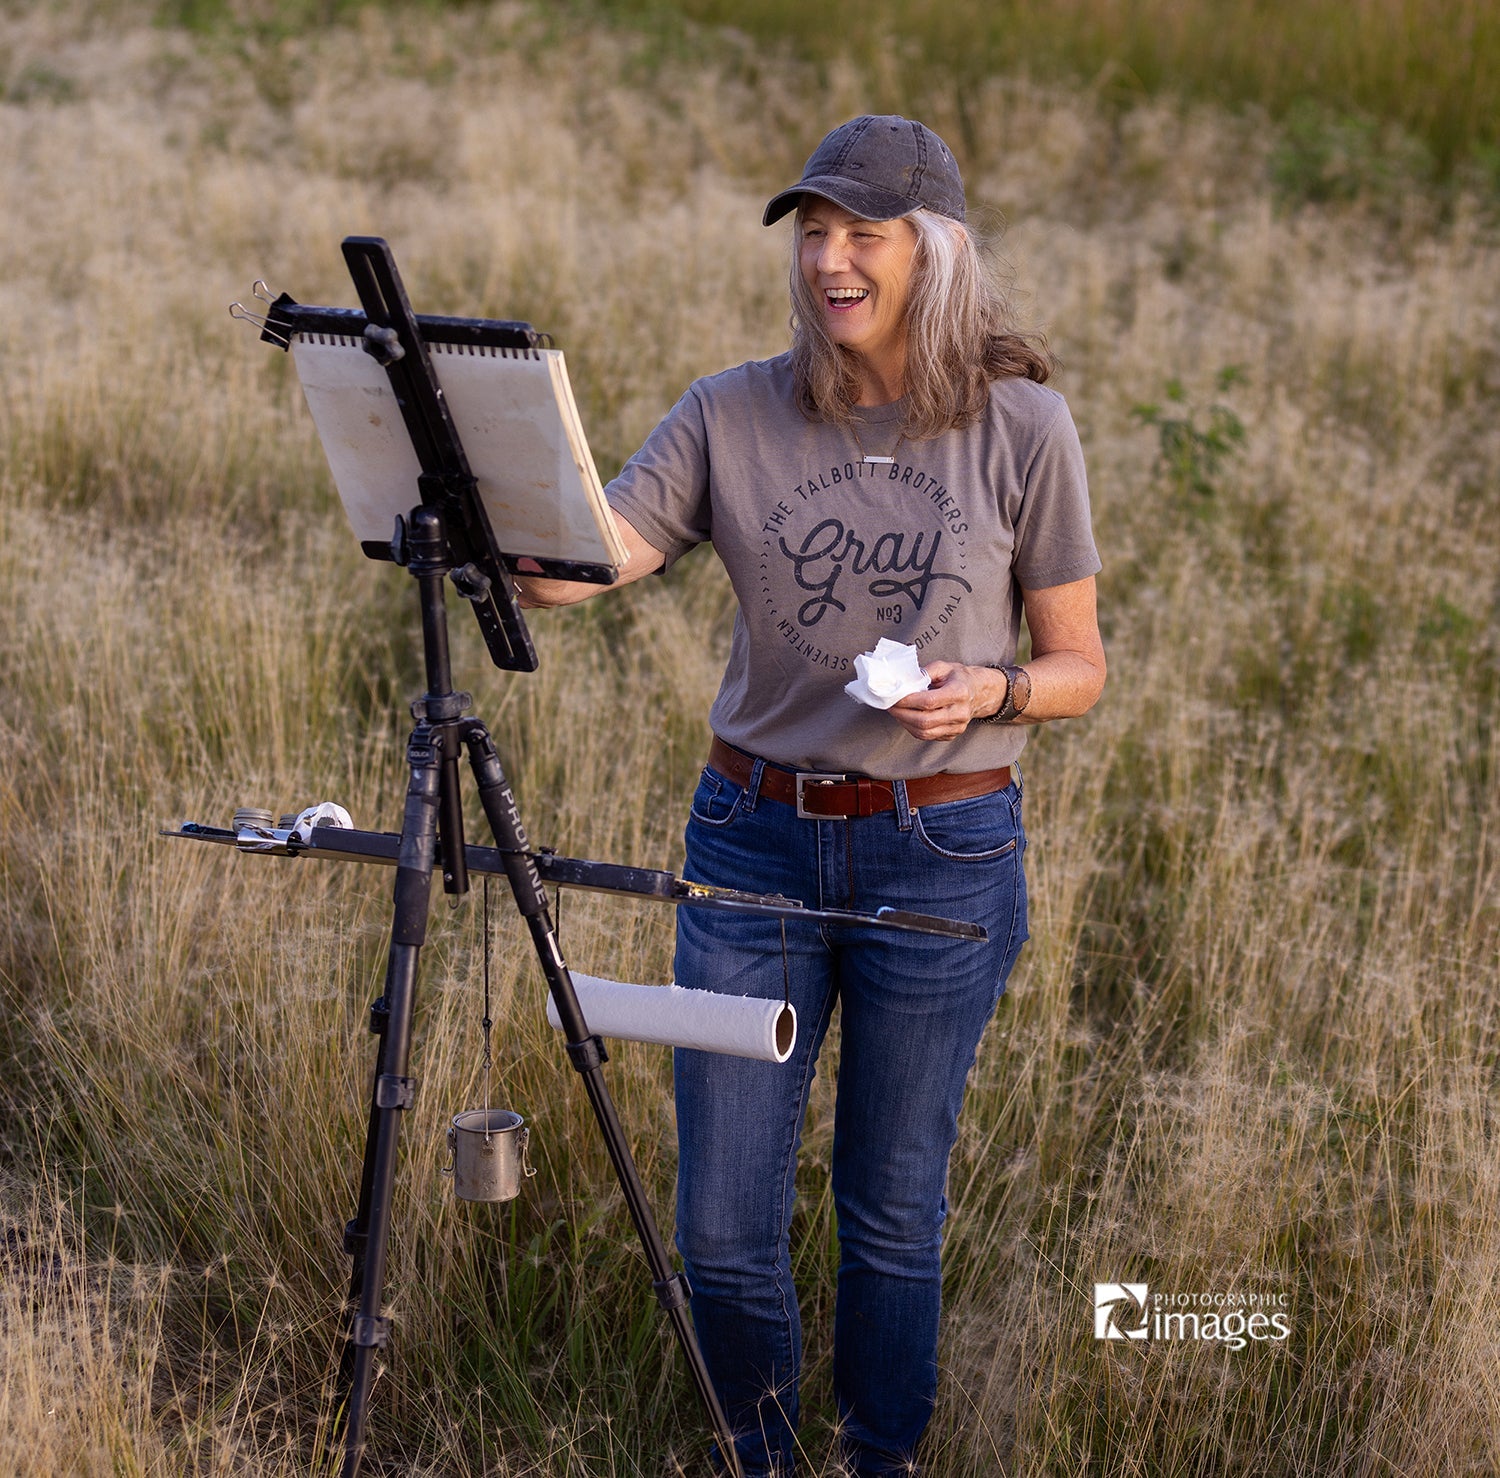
[(864, 201)]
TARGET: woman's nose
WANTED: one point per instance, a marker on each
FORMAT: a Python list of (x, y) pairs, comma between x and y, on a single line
[(834, 256)]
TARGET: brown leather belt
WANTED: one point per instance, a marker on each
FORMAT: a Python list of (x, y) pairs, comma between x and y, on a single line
[(838, 797)]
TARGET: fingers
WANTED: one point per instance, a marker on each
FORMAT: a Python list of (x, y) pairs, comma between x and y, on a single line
[(940, 712), (932, 716), (946, 686), (930, 726)]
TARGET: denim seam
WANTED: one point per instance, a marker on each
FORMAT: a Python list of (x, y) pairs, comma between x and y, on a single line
[(932, 846), (752, 791), (789, 1164), (719, 782), (904, 809), (1017, 919)]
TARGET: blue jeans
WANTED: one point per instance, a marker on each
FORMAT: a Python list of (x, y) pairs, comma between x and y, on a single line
[(913, 1009)]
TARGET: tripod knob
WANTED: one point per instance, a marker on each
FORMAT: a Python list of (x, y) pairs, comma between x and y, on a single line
[(383, 345), (472, 582)]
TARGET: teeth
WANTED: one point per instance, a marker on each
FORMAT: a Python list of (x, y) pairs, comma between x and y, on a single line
[(847, 294)]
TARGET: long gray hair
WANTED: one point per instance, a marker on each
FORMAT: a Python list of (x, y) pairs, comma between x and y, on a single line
[(959, 337)]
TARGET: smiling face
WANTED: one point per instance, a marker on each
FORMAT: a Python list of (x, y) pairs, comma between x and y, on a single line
[(859, 272)]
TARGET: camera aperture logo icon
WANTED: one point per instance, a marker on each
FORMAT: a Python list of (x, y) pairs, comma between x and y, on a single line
[(1116, 1306), (1232, 1317)]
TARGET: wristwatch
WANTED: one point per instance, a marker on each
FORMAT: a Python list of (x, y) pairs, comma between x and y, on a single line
[(1017, 696)]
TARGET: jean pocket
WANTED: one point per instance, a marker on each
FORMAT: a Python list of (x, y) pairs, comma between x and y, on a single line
[(716, 802), (979, 829)]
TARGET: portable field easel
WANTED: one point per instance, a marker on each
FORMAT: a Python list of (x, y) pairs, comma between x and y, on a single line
[(449, 535)]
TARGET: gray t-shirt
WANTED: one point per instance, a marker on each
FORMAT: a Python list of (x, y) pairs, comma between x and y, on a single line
[(828, 553)]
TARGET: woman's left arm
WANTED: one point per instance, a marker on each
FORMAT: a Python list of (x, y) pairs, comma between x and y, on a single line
[(1066, 668)]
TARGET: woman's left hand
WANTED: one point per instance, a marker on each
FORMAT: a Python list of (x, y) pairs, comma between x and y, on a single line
[(944, 710), (1066, 668)]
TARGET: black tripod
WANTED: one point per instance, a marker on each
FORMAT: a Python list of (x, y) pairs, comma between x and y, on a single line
[(432, 829)]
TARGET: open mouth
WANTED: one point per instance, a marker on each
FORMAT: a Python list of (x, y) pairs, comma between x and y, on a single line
[(844, 297)]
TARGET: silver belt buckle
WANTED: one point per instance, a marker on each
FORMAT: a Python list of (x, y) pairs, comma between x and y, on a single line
[(813, 777)]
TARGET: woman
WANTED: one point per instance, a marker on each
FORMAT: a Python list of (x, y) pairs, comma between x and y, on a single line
[(900, 473)]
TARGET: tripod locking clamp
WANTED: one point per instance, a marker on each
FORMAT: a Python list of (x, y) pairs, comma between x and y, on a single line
[(441, 708), (587, 1054), (370, 1332), (674, 1292), (393, 1092)]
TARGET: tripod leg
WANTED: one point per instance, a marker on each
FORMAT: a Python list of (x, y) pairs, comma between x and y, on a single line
[(357, 1232), (587, 1054), (392, 1091)]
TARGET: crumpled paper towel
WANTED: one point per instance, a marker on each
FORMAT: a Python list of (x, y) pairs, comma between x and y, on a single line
[(325, 813), (886, 675)]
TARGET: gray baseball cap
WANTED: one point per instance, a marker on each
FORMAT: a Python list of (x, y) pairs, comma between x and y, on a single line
[(879, 168)]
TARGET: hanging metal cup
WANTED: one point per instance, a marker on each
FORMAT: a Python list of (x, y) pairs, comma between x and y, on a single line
[(488, 1149)]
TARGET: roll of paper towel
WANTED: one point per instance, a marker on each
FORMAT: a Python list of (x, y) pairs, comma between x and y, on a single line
[(738, 1025)]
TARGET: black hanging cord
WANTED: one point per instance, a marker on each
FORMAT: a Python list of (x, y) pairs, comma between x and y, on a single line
[(488, 1022)]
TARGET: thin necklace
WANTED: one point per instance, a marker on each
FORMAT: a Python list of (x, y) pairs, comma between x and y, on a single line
[(870, 457)]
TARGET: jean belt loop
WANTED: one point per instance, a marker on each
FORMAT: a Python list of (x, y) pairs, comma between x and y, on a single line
[(752, 791), (903, 809)]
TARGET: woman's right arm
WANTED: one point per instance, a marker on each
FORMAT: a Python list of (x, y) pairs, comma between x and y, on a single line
[(641, 558)]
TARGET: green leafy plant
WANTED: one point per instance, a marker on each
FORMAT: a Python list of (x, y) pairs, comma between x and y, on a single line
[(1194, 442), (1324, 155)]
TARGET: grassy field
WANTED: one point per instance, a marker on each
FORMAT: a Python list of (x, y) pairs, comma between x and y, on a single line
[(1421, 72), (1253, 1045)]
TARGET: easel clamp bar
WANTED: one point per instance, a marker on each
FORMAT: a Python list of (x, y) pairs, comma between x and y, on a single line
[(333, 842)]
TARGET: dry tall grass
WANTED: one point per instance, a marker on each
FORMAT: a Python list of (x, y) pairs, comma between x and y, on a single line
[(1253, 1044)]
